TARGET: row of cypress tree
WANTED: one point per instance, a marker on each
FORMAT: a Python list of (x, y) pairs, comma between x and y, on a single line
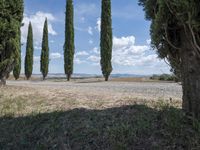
[(10, 47), (69, 47), (44, 60), (105, 39)]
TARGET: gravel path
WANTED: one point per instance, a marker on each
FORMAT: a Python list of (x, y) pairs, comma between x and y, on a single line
[(110, 90)]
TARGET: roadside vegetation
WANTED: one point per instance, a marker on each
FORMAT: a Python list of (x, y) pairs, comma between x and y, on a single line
[(165, 77)]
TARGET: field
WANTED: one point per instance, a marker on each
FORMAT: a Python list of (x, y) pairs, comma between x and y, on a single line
[(92, 114)]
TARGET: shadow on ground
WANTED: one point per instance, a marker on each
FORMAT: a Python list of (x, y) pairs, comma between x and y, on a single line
[(128, 127)]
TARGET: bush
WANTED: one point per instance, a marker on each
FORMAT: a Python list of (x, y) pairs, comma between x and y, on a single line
[(165, 77)]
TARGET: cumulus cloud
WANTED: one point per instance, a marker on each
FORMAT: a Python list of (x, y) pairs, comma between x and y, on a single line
[(96, 50), (91, 42), (89, 30), (127, 53), (78, 61), (82, 53), (98, 24), (37, 21), (55, 56), (93, 58), (149, 41)]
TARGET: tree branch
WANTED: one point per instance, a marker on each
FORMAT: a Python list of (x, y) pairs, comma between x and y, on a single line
[(169, 42)]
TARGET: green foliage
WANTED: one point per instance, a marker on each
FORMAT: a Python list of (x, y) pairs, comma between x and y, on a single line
[(170, 18), (106, 39), (44, 68), (165, 77), (17, 68), (29, 53), (69, 40), (11, 16)]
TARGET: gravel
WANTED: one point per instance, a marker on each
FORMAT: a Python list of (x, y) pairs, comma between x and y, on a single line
[(117, 90)]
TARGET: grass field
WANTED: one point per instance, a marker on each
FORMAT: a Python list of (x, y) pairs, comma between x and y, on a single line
[(31, 119)]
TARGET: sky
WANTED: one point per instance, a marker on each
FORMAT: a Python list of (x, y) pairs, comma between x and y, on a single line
[(132, 53)]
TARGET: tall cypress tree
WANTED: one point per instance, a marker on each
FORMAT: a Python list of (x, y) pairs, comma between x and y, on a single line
[(29, 53), (106, 39), (69, 40), (17, 68), (44, 62), (11, 16)]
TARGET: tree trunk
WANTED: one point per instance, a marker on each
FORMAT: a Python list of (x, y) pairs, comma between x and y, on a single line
[(68, 77), (3, 81), (43, 78), (106, 78), (190, 70)]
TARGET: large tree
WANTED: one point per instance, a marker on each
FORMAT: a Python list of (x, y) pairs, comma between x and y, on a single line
[(106, 39), (69, 40), (44, 66), (175, 33), (11, 15), (29, 53)]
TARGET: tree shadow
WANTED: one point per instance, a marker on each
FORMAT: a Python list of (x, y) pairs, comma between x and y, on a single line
[(126, 127)]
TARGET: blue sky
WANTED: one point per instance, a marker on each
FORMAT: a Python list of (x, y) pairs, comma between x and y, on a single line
[(131, 50)]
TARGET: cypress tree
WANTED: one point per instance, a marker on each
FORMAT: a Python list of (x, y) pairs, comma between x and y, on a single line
[(44, 66), (69, 40), (175, 36), (106, 39), (17, 68), (29, 53), (11, 16)]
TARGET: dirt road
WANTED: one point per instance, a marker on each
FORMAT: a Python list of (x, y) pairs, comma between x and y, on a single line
[(104, 90)]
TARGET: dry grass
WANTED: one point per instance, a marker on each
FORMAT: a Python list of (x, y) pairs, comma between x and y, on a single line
[(26, 100), (44, 118)]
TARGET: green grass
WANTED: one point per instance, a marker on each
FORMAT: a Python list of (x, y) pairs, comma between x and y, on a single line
[(160, 126)]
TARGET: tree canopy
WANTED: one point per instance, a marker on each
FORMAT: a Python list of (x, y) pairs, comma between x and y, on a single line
[(29, 53), (44, 66), (175, 34), (11, 15), (106, 39), (69, 39)]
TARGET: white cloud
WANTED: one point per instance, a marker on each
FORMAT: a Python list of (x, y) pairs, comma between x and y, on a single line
[(37, 21), (93, 58), (89, 30), (82, 53), (96, 50), (149, 41), (91, 42), (127, 53), (55, 56), (37, 47), (85, 9), (36, 58), (51, 41), (98, 24), (78, 61)]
